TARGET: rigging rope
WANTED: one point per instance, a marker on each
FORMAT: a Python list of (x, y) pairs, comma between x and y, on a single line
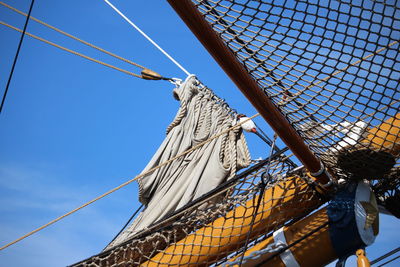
[(73, 37), (142, 67), (126, 224), (268, 72), (263, 184), (16, 56), (295, 242), (263, 136), (128, 182), (389, 261), (148, 38), (72, 52), (386, 255), (146, 73), (326, 78), (278, 250)]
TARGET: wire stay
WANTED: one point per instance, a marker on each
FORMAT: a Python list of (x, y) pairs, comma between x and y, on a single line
[(147, 37), (16, 56)]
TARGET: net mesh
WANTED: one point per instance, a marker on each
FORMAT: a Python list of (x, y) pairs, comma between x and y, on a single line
[(332, 68), (192, 234)]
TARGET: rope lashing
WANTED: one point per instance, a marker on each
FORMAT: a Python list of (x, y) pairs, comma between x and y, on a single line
[(126, 183), (295, 242), (252, 127)]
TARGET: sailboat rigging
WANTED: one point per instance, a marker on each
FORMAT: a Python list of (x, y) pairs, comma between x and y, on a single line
[(327, 89)]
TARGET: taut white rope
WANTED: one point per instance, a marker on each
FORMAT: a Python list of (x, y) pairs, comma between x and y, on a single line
[(147, 37)]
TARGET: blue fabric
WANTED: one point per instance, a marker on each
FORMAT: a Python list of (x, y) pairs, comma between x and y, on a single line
[(342, 222)]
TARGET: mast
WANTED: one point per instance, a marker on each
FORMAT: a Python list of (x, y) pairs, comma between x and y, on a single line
[(239, 75)]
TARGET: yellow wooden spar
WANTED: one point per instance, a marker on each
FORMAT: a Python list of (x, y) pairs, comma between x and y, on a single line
[(362, 260), (375, 154), (385, 137), (349, 222), (316, 250), (228, 233)]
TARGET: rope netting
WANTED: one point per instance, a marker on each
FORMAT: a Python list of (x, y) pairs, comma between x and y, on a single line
[(214, 228), (332, 68)]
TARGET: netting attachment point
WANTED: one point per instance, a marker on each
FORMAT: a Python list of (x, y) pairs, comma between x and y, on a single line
[(176, 81), (265, 178), (320, 171), (329, 183)]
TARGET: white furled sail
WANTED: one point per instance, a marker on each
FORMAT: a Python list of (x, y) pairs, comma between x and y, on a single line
[(170, 187)]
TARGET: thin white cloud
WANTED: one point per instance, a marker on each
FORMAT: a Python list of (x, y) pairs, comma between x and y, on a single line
[(30, 197)]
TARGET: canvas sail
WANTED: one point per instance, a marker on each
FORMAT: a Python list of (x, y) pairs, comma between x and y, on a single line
[(169, 188)]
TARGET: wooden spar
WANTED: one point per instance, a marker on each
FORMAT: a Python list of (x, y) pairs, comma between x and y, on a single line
[(315, 250), (386, 136), (238, 74), (332, 232), (228, 233), (362, 260)]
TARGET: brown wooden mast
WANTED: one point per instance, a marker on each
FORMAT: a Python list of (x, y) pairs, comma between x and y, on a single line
[(238, 74)]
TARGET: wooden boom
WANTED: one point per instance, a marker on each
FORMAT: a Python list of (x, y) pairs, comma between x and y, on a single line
[(227, 234)]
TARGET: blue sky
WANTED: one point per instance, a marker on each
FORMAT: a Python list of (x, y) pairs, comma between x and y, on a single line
[(72, 129)]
